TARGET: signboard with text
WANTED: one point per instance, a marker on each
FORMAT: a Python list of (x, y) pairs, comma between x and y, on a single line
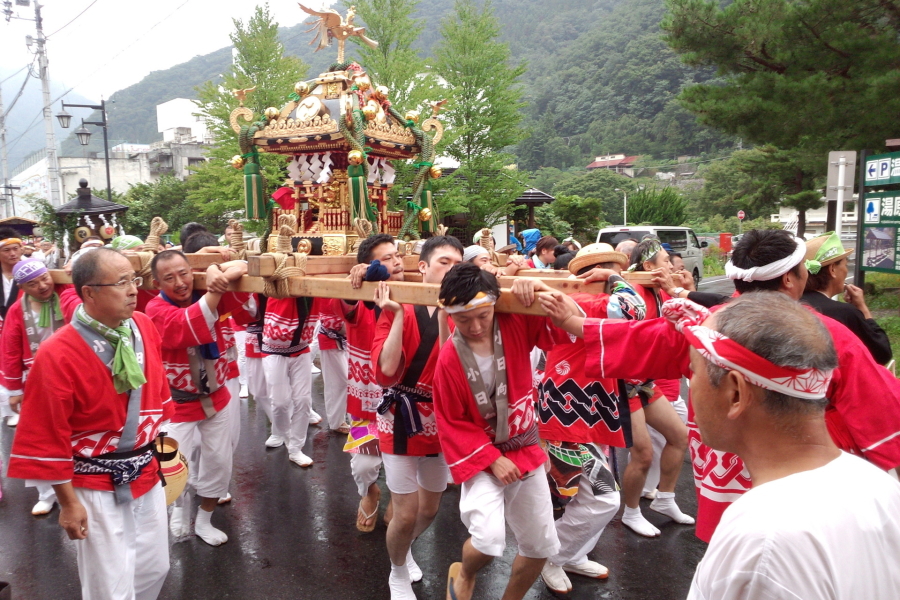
[(882, 169), (881, 219)]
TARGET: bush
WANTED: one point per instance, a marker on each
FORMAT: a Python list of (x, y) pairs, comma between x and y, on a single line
[(714, 261)]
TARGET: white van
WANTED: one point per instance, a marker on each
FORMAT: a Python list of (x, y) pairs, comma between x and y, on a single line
[(681, 239)]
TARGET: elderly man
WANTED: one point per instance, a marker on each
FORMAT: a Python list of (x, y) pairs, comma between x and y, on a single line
[(96, 399), (827, 275), (761, 368)]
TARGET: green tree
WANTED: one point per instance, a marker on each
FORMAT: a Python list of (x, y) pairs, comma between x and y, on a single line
[(216, 189), (804, 201), (820, 74), (166, 197), (484, 188), (584, 216), (485, 98), (605, 185), (656, 206), (395, 63)]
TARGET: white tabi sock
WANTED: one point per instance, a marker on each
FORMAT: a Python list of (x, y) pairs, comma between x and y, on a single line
[(179, 523), (206, 532), (665, 504), (415, 573), (634, 520), (400, 584)]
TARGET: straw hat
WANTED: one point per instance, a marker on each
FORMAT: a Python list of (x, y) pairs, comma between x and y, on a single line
[(593, 254), (174, 468), (826, 249)]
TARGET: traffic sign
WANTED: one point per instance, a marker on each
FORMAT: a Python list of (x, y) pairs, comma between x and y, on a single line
[(834, 165), (882, 169), (741, 215)]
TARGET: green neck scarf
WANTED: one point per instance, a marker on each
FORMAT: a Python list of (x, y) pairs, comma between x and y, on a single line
[(126, 372), (50, 310)]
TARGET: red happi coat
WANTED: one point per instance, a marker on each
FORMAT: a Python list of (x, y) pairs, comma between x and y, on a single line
[(654, 299), (363, 392), (15, 349), (183, 328), (71, 408), (329, 318), (863, 413), (280, 324), (466, 438), (426, 442), (593, 411)]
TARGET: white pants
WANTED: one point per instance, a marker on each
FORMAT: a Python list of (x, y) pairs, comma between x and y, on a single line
[(234, 412), (126, 553), (46, 492), (334, 374), (659, 442), (5, 409), (289, 382), (486, 506), (256, 385), (240, 344), (582, 523), (406, 474), (365, 469), (212, 474)]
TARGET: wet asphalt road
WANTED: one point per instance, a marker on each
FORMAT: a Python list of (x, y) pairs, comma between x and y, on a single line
[(292, 535)]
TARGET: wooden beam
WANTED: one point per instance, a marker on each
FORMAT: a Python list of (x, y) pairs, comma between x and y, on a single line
[(425, 294), (566, 286)]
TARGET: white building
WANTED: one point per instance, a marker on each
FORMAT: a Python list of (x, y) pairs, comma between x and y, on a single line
[(185, 138), (815, 220)]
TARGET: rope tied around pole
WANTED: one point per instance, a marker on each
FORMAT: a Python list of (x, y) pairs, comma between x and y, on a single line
[(236, 239), (278, 285), (158, 227)]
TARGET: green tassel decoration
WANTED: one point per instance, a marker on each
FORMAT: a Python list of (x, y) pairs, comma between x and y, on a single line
[(360, 207), (254, 192)]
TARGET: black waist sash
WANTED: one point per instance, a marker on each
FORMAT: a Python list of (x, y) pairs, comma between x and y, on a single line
[(404, 394)]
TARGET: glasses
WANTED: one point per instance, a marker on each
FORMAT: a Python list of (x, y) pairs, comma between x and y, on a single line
[(136, 282)]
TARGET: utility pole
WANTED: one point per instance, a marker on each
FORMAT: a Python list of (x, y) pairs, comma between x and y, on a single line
[(4, 161), (52, 160)]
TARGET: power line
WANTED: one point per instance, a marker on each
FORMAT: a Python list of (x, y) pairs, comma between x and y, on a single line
[(73, 19), (22, 89), (17, 72)]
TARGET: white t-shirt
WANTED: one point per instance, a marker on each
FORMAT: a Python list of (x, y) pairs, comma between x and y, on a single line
[(486, 366), (832, 533)]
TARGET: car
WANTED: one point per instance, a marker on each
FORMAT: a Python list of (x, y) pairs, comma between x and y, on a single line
[(683, 240)]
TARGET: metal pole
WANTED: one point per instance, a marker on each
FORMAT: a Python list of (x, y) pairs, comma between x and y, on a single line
[(625, 209), (52, 161), (842, 168), (4, 159), (859, 276), (106, 150)]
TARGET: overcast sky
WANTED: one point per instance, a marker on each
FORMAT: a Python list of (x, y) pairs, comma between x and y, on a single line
[(115, 43)]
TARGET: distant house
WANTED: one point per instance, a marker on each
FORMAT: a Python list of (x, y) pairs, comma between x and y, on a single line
[(619, 163)]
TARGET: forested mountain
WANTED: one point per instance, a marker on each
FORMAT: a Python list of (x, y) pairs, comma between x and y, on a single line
[(599, 80)]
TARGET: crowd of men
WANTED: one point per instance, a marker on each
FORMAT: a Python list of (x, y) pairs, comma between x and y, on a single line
[(792, 422)]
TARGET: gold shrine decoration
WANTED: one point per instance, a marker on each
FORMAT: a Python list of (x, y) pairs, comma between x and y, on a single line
[(330, 25)]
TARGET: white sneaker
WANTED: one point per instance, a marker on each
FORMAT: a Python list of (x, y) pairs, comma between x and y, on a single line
[(588, 568), (301, 459), (555, 578), (244, 393), (42, 507), (314, 417), (274, 441), (12, 421)]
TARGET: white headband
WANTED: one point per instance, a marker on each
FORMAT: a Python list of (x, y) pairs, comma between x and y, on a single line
[(480, 299), (769, 271)]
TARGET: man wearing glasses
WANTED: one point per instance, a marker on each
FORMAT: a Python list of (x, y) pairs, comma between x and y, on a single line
[(96, 399)]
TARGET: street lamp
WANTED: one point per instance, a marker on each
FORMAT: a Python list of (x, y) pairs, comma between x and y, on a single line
[(625, 207), (84, 136)]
